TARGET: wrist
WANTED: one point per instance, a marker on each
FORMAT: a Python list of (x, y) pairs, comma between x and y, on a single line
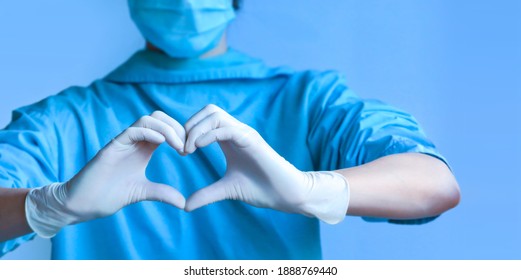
[(45, 210), (328, 197)]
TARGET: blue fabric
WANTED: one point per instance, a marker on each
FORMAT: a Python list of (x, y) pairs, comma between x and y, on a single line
[(311, 118)]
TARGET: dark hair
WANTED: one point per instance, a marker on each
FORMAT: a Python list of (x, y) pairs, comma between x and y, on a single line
[(237, 4)]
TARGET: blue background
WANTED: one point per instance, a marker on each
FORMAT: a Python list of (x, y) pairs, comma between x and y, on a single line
[(455, 65)]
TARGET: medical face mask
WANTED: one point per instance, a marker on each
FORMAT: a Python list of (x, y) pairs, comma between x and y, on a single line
[(182, 28)]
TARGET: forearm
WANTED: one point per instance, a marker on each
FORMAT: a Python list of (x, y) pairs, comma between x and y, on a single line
[(401, 186), (12, 213)]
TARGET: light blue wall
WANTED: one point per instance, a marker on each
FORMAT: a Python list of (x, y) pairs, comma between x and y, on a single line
[(455, 65)]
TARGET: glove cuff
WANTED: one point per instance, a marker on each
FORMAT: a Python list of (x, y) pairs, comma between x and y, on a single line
[(44, 210), (329, 196)]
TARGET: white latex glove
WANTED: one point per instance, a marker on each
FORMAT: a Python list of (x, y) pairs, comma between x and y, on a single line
[(259, 176), (113, 179)]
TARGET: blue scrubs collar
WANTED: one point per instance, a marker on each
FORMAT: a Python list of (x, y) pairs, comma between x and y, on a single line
[(147, 66)]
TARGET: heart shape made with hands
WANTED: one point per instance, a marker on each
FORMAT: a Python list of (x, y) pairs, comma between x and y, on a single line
[(255, 173), (247, 155)]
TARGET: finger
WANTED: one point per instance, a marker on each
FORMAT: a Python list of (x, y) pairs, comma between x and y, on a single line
[(167, 131), (239, 135), (134, 135), (199, 116), (164, 193), (179, 129), (211, 122), (213, 193)]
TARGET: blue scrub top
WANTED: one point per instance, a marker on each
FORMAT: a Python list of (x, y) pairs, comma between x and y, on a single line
[(310, 118)]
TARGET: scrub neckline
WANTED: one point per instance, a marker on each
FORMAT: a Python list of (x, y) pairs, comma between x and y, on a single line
[(148, 66)]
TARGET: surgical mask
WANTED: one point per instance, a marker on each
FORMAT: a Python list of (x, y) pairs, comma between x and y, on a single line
[(182, 28)]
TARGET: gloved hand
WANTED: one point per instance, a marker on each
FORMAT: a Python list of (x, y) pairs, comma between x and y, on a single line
[(257, 175), (113, 179)]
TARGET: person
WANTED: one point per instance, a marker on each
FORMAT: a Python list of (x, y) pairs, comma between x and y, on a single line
[(194, 150)]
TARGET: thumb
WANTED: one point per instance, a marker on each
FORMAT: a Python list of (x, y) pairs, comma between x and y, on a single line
[(164, 193), (207, 195)]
